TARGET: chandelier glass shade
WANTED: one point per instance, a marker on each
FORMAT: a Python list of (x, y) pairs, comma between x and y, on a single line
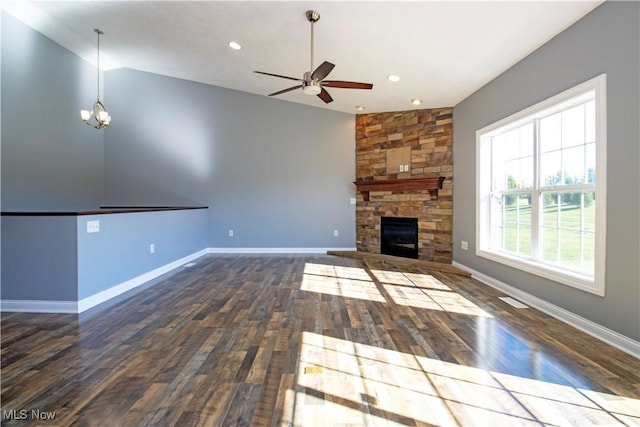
[(98, 117)]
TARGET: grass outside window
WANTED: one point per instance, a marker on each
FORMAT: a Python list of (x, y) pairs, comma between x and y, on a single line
[(567, 230)]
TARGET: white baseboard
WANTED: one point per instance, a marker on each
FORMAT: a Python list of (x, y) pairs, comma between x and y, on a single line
[(274, 250), (36, 306), (95, 299), (600, 332)]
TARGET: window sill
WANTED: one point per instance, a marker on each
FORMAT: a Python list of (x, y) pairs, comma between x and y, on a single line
[(568, 278)]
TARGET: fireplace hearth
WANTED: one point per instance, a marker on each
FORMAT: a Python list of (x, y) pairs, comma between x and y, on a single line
[(399, 236)]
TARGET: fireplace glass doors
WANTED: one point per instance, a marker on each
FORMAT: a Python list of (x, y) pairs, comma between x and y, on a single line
[(399, 236)]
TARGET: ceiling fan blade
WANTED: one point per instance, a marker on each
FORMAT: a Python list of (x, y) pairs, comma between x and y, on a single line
[(285, 90), (347, 85), (324, 95), (322, 71), (278, 75)]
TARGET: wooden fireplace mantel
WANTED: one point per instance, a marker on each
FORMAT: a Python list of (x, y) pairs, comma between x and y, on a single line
[(432, 185)]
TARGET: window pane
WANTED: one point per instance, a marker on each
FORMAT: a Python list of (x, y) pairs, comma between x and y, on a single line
[(524, 209), (573, 126), (497, 143), (498, 181), (550, 133), (510, 237), (512, 173), (524, 240), (567, 236), (589, 256), (570, 213), (510, 208), (526, 140), (590, 162), (526, 172), (572, 161), (549, 244), (551, 168), (570, 248), (550, 209), (512, 144), (517, 224), (512, 156), (573, 165), (589, 223)]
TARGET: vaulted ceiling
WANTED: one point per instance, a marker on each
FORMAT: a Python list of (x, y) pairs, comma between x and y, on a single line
[(443, 51)]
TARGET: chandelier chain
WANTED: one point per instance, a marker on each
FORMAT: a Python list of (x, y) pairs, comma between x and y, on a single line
[(98, 32)]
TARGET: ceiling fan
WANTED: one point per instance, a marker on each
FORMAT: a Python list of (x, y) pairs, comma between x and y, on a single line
[(312, 82)]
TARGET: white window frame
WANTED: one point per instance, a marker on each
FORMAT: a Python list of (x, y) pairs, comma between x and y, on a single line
[(594, 284)]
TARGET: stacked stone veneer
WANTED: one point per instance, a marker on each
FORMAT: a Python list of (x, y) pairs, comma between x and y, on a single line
[(429, 133)]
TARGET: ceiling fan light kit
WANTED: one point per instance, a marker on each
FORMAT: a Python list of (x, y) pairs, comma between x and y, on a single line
[(312, 89), (312, 82)]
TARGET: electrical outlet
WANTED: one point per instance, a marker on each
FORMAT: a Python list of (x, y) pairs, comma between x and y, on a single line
[(93, 226), (152, 248), (352, 201), (464, 245), (230, 233), (335, 233)]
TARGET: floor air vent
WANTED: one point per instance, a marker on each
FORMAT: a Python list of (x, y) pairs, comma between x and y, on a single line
[(513, 303)]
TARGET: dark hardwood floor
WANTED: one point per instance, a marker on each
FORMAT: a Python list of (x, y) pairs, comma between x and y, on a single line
[(311, 341)]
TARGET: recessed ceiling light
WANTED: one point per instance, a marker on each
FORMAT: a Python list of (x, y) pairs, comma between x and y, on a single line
[(359, 108), (234, 45), (393, 78), (416, 101)]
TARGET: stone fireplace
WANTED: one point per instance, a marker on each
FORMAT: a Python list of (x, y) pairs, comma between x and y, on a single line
[(404, 161)]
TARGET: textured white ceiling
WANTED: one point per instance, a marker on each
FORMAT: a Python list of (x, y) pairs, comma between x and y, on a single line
[(442, 51)]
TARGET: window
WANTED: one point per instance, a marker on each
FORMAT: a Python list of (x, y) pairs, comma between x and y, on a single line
[(541, 199)]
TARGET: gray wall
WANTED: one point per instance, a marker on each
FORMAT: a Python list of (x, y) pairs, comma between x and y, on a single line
[(120, 251), (604, 41), (53, 258), (279, 174), (39, 258), (50, 159)]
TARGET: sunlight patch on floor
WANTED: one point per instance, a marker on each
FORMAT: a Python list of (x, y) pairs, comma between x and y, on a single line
[(425, 291), (350, 282), (409, 279), (358, 384)]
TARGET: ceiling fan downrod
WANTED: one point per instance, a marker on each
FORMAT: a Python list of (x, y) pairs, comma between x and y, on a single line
[(313, 17)]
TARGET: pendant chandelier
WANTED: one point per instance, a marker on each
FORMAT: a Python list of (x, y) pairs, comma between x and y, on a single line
[(98, 117)]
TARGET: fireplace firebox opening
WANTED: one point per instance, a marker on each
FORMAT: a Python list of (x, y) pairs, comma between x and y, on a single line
[(399, 236)]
